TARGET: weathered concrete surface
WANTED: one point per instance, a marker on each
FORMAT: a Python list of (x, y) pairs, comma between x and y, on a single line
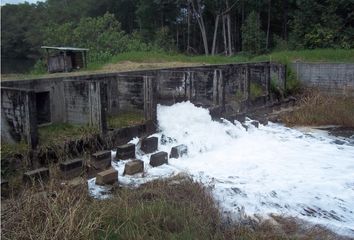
[(158, 159), (88, 99), (331, 78), (133, 167), (109, 176), (18, 110)]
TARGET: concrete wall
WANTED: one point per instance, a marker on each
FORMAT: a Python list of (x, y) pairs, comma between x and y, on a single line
[(18, 115), (331, 78), (88, 99)]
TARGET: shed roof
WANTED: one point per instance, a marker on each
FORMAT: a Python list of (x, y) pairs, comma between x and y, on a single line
[(65, 48)]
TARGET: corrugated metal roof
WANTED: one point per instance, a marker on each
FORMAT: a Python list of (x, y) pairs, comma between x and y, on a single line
[(66, 48)]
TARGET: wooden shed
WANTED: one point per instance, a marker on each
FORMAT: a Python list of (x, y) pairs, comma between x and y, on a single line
[(65, 59)]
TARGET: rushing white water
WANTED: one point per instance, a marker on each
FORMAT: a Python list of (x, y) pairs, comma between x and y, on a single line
[(273, 169)]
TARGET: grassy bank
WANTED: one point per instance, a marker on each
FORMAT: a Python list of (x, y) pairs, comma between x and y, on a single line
[(177, 208), (317, 109), (147, 60)]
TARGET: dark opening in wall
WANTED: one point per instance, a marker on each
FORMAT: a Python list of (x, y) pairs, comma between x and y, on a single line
[(43, 107)]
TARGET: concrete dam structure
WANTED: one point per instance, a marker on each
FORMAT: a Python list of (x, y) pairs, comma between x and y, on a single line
[(91, 99)]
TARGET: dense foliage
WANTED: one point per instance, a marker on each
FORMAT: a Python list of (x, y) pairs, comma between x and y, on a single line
[(109, 27)]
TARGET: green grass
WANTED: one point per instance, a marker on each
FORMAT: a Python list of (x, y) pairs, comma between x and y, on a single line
[(57, 133), (285, 57), (321, 55), (126, 119), (315, 55)]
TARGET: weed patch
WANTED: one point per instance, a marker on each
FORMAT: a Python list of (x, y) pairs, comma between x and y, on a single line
[(126, 119), (318, 109)]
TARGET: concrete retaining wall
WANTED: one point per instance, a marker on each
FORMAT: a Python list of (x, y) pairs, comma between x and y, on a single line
[(331, 78), (18, 115), (89, 99)]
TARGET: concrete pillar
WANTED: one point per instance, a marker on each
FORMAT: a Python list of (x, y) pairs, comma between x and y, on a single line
[(218, 88), (98, 105), (31, 119), (150, 98)]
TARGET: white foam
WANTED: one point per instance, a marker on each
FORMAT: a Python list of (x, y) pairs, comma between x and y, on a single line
[(273, 169)]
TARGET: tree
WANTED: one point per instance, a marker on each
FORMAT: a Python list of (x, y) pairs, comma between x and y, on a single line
[(252, 35)]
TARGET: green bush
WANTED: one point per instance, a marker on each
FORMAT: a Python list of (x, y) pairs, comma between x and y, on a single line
[(39, 68)]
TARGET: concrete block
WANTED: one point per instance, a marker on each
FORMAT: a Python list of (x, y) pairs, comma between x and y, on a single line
[(109, 176), (101, 155), (149, 145), (126, 151), (4, 188), (40, 174), (158, 159), (179, 151), (133, 167), (101, 160), (102, 164), (71, 168)]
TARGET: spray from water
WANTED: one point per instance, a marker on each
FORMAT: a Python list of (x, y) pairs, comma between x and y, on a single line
[(259, 171)]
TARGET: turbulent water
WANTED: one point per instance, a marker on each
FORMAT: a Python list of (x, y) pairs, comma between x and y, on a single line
[(270, 169)]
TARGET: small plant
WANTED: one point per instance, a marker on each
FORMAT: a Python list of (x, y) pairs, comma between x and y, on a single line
[(39, 68), (255, 90)]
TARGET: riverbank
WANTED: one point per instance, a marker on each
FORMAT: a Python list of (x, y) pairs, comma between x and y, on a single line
[(177, 208), (317, 109)]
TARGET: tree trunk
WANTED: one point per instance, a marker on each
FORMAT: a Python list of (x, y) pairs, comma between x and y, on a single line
[(177, 36), (229, 33), (228, 18), (224, 34), (215, 34), (200, 20), (268, 26), (285, 20), (188, 28)]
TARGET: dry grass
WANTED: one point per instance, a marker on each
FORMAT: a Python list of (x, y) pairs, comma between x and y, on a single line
[(177, 208), (318, 109), (49, 212)]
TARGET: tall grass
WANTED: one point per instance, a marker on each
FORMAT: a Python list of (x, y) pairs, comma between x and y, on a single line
[(177, 208), (318, 109)]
